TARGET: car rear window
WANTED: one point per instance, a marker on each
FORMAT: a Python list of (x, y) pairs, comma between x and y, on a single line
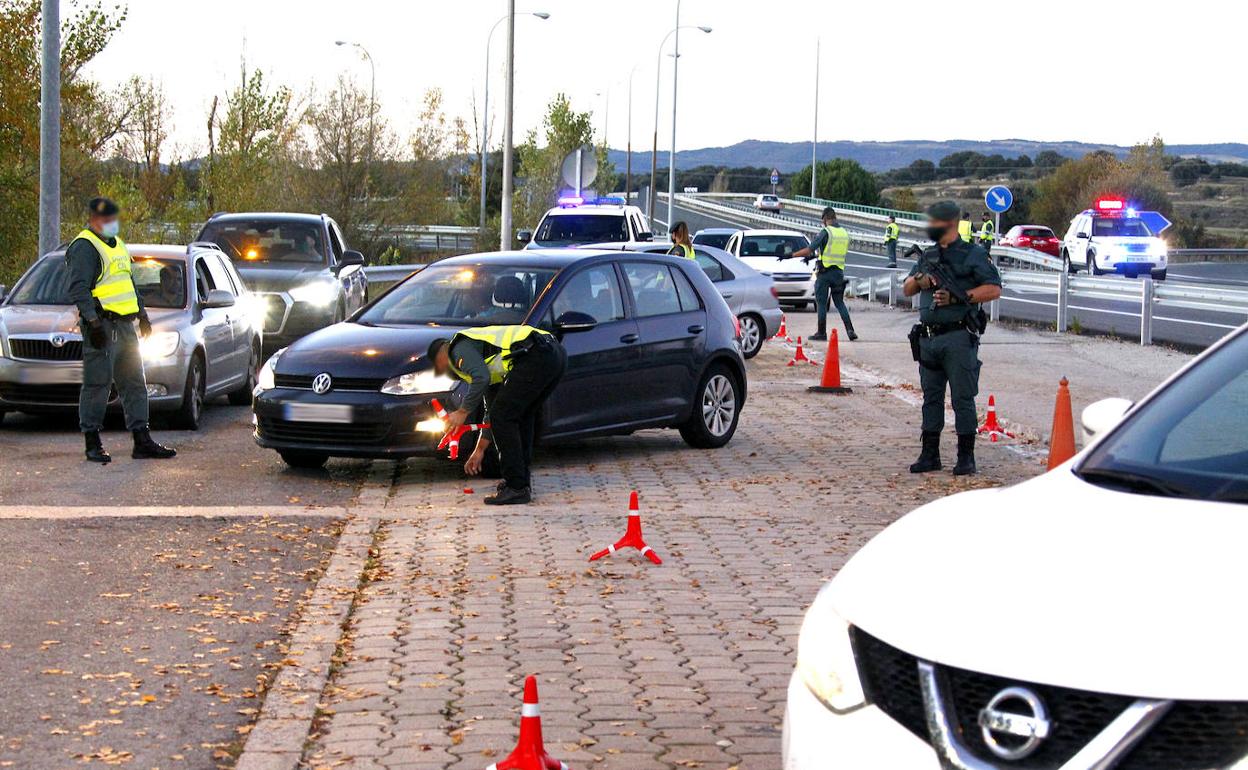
[(715, 240), (1037, 232), (771, 245)]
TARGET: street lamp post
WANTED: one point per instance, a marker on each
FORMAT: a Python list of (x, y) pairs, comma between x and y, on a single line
[(814, 142), (485, 107), (50, 129), (628, 160), (372, 105), (654, 148), (504, 237)]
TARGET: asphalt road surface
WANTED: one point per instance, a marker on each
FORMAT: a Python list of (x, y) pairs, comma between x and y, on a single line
[(1191, 328), (217, 465), (144, 642)]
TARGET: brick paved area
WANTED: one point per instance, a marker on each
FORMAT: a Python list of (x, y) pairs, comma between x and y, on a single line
[(676, 666)]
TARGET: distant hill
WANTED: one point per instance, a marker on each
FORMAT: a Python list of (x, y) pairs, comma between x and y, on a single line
[(882, 156)]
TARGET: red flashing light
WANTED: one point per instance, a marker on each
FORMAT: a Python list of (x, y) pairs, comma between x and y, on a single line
[(1110, 204)]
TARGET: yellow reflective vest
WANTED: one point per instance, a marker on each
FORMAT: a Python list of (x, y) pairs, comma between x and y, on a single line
[(891, 231), (114, 288), (966, 230), (837, 246), (498, 340), (987, 232), (680, 249)]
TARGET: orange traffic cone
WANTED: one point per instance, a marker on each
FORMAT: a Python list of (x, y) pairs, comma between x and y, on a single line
[(783, 332), (991, 426), (1062, 439), (831, 380), (632, 535), (529, 753), (799, 356)]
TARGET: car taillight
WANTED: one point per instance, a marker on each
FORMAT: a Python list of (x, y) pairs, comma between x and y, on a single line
[(736, 325), (775, 293)]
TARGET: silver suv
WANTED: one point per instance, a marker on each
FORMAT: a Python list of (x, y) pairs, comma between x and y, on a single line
[(204, 342)]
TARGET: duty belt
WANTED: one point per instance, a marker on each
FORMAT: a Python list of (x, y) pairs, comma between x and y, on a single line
[(935, 330)]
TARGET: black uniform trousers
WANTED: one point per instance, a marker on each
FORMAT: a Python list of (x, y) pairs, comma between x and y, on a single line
[(514, 404)]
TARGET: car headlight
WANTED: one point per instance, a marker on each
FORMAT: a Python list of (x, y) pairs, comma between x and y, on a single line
[(416, 383), (825, 659), (319, 293), (266, 379), (158, 345), (255, 307)]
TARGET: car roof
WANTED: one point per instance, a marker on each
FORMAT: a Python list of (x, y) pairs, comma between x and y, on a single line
[(277, 216), (772, 232), (591, 208), (141, 250), (556, 257), (717, 230)]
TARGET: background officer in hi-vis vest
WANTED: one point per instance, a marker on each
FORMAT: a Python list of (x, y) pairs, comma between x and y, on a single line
[(108, 309), (829, 248), (892, 231), (681, 245)]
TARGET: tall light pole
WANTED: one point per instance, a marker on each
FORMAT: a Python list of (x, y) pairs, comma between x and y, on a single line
[(485, 106), (372, 105), (50, 129), (504, 238), (654, 148), (814, 142), (628, 161)]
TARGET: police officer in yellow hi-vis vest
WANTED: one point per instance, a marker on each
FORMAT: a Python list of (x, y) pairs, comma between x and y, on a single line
[(109, 306), (965, 229), (513, 369), (892, 231), (829, 248), (987, 232), (681, 245)]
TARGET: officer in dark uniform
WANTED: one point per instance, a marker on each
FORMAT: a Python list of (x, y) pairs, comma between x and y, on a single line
[(109, 307), (946, 339), (513, 369)]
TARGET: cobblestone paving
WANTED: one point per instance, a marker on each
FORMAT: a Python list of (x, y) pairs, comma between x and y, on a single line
[(682, 665)]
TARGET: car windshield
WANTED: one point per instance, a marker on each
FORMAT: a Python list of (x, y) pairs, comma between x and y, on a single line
[(459, 295), (716, 240), (1119, 227), (275, 243), (771, 245), (161, 283), (1191, 440), (582, 228)]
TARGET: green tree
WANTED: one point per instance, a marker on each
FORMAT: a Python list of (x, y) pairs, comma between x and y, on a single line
[(905, 200), (840, 180), (541, 156)]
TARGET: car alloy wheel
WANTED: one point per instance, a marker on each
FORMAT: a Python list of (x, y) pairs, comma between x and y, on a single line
[(751, 336), (719, 405)]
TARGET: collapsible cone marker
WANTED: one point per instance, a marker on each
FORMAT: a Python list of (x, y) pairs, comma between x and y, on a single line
[(450, 441), (991, 426), (1062, 439), (831, 380), (783, 333), (799, 356), (529, 753), (632, 536)]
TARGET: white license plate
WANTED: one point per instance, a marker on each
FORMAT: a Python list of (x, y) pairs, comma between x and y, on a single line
[(50, 375), (337, 413)]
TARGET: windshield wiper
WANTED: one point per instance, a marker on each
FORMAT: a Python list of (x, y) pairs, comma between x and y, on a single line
[(1136, 482)]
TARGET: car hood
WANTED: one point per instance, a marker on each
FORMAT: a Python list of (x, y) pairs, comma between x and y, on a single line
[(355, 350), (278, 279), (50, 319), (774, 266), (1061, 582)]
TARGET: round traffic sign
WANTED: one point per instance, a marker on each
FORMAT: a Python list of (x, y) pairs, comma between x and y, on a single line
[(998, 198)]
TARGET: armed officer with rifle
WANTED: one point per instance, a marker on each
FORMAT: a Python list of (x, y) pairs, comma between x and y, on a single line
[(954, 277)]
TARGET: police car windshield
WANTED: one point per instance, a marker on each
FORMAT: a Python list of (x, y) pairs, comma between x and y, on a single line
[(771, 245), (275, 244), (1119, 227), (461, 295), (161, 283), (564, 229)]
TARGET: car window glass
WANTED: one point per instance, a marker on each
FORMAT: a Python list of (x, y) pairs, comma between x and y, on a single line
[(160, 282), (275, 242), (689, 300), (772, 245), (482, 295), (582, 228), (220, 279), (654, 291), (709, 265), (335, 242), (203, 280), (47, 283), (594, 291)]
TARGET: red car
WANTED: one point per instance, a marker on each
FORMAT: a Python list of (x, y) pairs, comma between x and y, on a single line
[(1036, 237)]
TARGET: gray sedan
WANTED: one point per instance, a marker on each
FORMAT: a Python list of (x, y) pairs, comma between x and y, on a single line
[(750, 295), (203, 343)]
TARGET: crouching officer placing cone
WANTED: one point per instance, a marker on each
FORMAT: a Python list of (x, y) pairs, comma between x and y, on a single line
[(101, 286), (955, 277), (513, 369)]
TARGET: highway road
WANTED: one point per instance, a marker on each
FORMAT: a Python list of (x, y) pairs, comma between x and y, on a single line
[(1179, 326)]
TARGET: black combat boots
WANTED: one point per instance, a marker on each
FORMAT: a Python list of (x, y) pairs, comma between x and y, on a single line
[(849, 330), (95, 448), (966, 455), (146, 448), (929, 458)]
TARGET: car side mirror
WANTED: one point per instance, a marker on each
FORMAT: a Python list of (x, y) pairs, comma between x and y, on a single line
[(218, 298), (1084, 236), (645, 237), (524, 236), (349, 258), (573, 321), (1102, 416)]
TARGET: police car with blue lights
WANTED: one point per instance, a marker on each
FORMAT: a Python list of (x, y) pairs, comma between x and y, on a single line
[(1113, 237), (578, 221)]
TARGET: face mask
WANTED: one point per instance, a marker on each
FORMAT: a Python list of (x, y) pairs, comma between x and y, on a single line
[(111, 229), (936, 232)]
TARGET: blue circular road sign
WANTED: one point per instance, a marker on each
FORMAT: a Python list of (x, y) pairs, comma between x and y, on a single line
[(998, 198), (775, 177)]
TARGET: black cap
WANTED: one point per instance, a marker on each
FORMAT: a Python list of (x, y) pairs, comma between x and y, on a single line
[(103, 207), (829, 213), (437, 345), (943, 211)]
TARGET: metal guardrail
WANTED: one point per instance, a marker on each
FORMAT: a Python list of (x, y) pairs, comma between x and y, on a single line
[(429, 237), (1181, 256), (876, 211)]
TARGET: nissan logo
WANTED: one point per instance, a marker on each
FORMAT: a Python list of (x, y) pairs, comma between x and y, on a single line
[(321, 383), (58, 340), (1014, 723)]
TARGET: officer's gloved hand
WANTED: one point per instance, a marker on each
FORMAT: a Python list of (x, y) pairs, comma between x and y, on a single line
[(145, 326), (95, 333)]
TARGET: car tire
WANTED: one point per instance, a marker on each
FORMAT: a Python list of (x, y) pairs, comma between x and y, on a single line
[(242, 396), (305, 460), (752, 335), (1092, 268), (1070, 266), (1159, 275), (2, 414), (192, 409), (716, 410)]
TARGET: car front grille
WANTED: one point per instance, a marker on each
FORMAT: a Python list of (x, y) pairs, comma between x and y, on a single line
[(20, 393), (1193, 735), (322, 433), (791, 278), (304, 382), (276, 309), (44, 350)]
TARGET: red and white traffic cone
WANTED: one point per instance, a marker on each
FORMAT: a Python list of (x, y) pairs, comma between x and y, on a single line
[(529, 753), (991, 426), (632, 536), (799, 356), (783, 333), (830, 382), (450, 441)]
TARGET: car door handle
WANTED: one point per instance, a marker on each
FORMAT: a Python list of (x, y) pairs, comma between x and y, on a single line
[(629, 339), (726, 296), (696, 329)]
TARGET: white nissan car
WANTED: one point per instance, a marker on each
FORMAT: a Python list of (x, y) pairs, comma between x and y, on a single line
[(1087, 618)]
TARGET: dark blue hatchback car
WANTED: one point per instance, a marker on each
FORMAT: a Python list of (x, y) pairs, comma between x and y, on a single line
[(651, 344)]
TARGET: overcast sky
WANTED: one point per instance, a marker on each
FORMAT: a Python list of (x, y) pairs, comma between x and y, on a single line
[(1101, 72)]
